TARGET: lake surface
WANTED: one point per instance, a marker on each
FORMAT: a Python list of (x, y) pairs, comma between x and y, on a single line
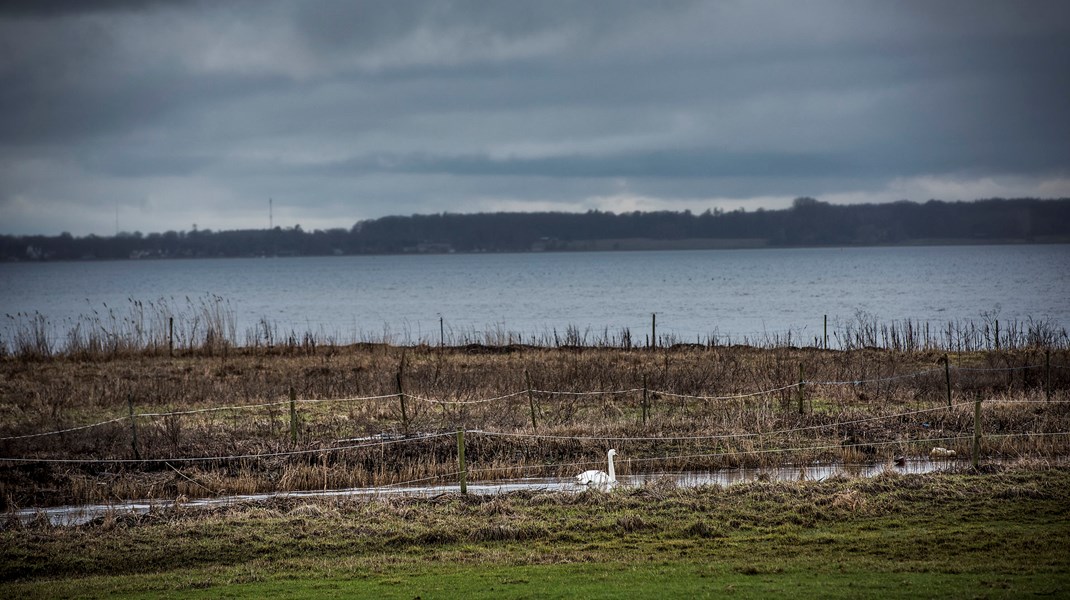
[(730, 294)]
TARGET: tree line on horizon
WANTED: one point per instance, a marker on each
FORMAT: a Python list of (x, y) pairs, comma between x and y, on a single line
[(808, 222)]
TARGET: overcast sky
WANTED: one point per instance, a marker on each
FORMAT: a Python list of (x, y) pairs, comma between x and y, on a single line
[(167, 114)]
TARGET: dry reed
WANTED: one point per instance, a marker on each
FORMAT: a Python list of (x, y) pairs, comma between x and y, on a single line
[(859, 405)]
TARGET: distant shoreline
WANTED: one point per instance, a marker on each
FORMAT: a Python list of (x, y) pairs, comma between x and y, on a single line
[(587, 246), (809, 223)]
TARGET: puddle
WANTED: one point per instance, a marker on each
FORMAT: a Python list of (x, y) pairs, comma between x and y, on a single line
[(78, 515)]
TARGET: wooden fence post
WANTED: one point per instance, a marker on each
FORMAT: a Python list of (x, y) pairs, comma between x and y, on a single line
[(171, 337), (404, 411), (976, 432), (947, 379), (826, 332), (802, 390), (531, 400), (133, 427), (1047, 375), (644, 400), (293, 416), (460, 461), (653, 330)]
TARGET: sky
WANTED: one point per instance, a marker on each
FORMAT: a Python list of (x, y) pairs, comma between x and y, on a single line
[(122, 115)]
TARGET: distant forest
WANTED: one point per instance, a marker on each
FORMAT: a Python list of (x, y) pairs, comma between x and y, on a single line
[(808, 222)]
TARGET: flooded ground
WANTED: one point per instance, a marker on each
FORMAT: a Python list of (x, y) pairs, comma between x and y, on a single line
[(78, 515)]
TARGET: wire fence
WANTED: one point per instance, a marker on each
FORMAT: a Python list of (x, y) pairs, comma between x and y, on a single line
[(457, 479), (262, 455), (526, 392), (660, 438)]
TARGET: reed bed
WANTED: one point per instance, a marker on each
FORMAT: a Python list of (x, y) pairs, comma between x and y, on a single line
[(210, 424), (208, 325)]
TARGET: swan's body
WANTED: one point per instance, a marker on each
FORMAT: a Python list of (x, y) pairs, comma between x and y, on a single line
[(595, 477), (599, 478), (941, 453)]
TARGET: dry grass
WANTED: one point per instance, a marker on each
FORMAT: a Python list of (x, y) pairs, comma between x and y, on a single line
[(836, 422)]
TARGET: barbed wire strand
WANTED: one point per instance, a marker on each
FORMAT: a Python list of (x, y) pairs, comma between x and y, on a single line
[(589, 393), (222, 458), (345, 399), (262, 405), (730, 397), (876, 380), (421, 480), (531, 435), (478, 401), (61, 431), (515, 394), (719, 436), (192, 412), (995, 369), (995, 401)]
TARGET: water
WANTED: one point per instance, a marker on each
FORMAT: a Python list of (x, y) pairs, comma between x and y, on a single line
[(78, 515), (754, 293)]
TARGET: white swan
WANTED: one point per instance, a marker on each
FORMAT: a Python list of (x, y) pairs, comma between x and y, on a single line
[(599, 478)]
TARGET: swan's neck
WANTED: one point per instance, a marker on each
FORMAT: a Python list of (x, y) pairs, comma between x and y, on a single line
[(612, 473)]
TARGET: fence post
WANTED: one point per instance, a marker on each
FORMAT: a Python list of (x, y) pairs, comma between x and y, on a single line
[(1047, 375), (826, 332), (401, 399), (802, 390), (460, 461), (976, 432), (644, 400), (171, 337), (441, 332), (947, 379), (293, 416), (133, 427), (997, 339), (531, 400)]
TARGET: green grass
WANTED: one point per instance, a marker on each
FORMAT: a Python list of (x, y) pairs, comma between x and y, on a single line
[(597, 580), (949, 535)]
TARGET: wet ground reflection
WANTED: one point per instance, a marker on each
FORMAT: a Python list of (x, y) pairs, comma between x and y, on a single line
[(77, 515)]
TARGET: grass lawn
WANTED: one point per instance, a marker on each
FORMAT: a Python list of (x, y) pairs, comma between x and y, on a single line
[(596, 580)]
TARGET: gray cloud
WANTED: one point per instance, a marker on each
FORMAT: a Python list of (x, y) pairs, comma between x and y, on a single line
[(60, 8), (176, 112)]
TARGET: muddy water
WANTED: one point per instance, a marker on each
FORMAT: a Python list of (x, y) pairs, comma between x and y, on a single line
[(77, 515)]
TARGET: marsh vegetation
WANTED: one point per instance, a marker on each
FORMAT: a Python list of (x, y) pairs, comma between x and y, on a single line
[(211, 422)]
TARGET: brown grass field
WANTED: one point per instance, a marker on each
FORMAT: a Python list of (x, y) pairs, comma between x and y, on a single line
[(562, 408)]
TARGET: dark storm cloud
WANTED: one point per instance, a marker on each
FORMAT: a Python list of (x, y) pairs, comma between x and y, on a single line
[(56, 8), (198, 111)]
